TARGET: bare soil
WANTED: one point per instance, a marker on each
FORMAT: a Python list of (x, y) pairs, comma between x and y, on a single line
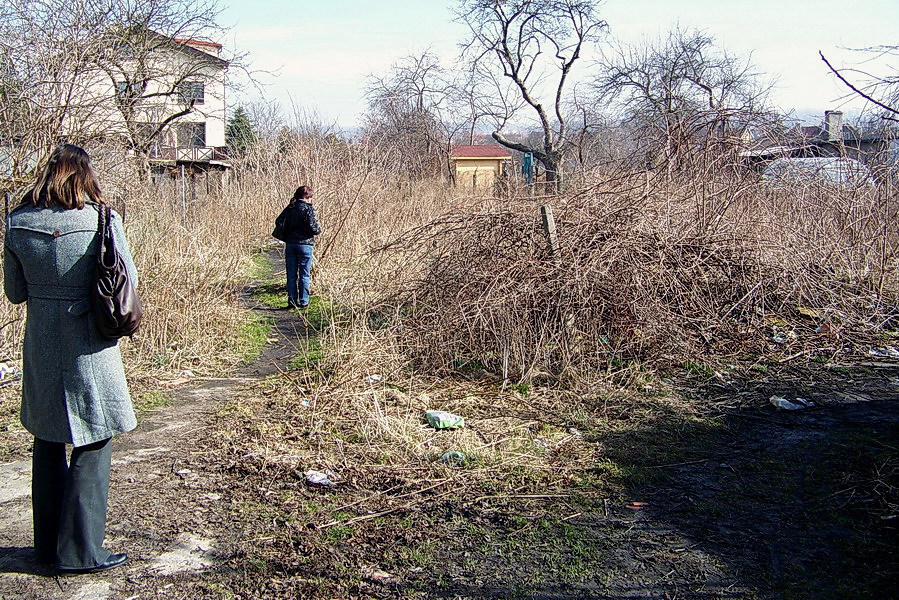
[(748, 502)]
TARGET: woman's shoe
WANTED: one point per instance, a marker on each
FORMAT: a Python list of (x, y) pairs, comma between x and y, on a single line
[(114, 560)]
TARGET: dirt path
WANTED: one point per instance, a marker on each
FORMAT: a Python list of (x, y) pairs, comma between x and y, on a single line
[(164, 511)]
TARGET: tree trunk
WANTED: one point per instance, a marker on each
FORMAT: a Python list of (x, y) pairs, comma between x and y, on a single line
[(554, 175), (140, 160)]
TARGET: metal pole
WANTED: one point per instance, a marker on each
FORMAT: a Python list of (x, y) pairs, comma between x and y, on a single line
[(183, 199)]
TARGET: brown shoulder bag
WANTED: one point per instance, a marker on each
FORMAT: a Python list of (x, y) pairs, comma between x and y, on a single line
[(116, 306)]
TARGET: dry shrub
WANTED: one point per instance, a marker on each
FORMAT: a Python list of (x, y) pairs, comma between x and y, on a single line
[(189, 278), (651, 272)]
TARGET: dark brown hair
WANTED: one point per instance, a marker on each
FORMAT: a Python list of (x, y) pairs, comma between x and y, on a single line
[(300, 194), (67, 180)]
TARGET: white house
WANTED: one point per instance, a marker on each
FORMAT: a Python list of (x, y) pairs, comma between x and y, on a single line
[(164, 97), (198, 136)]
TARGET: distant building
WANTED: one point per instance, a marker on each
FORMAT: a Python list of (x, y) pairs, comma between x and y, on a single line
[(833, 138), (158, 99), (197, 138), (480, 168)]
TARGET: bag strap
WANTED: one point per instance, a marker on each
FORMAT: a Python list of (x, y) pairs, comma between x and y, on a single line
[(100, 228), (106, 254)]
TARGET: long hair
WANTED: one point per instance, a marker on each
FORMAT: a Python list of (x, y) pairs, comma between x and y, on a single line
[(299, 194), (67, 180)]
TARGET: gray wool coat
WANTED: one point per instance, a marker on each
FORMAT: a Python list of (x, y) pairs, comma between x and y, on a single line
[(73, 387)]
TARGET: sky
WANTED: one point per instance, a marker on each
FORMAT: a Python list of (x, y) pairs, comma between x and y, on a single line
[(314, 57)]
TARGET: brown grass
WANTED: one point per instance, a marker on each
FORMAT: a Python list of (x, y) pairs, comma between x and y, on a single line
[(660, 273), (653, 271)]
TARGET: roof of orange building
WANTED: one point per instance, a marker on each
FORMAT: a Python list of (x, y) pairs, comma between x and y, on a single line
[(484, 151)]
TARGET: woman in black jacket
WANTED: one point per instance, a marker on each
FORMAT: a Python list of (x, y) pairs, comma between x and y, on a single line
[(300, 228)]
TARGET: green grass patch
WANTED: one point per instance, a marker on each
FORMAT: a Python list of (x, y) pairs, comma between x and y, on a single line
[(161, 360), (253, 336), (339, 533), (698, 370), (624, 473), (323, 312), (464, 365), (522, 388), (564, 552), (272, 294), (420, 555), (309, 357), (152, 400), (260, 267)]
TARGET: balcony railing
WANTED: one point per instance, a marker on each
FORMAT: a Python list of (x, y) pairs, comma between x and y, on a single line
[(190, 153)]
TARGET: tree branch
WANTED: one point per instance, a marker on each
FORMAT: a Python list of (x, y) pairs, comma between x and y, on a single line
[(855, 89), (517, 146)]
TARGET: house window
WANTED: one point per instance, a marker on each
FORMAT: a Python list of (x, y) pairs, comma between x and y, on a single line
[(192, 92), (126, 91), (192, 135)]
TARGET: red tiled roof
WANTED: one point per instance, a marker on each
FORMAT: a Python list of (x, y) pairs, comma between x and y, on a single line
[(198, 42), (485, 151)]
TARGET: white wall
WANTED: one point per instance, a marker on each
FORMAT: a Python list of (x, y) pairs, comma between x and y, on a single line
[(93, 108)]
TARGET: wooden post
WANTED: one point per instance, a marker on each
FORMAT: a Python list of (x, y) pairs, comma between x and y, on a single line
[(549, 230), (552, 242)]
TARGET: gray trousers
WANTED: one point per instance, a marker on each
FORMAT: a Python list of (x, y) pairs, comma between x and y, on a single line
[(69, 500)]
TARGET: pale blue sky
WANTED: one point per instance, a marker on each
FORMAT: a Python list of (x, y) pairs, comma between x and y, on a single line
[(322, 51)]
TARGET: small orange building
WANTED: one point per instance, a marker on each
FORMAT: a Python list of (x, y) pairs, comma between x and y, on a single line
[(480, 167)]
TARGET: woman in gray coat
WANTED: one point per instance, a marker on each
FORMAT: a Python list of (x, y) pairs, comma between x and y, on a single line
[(74, 389)]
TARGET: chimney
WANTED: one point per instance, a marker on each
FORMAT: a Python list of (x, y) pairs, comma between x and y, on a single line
[(833, 125)]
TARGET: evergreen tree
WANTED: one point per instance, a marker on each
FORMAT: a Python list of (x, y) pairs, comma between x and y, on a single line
[(239, 134)]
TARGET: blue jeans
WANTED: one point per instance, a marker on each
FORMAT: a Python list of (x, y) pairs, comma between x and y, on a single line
[(298, 262)]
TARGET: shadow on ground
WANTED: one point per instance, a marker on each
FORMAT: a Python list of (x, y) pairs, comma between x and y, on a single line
[(765, 503), (752, 502)]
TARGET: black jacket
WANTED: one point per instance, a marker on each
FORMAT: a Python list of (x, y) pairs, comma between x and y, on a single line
[(299, 223)]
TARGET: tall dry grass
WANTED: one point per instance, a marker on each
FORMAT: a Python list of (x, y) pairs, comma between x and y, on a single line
[(654, 272), (652, 269), (193, 249)]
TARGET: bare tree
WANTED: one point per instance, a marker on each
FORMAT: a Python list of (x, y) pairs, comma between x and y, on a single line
[(267, 117), (422, 108), (99, 69), (595, 138), (534, 44), (681, 95), (406, 111)]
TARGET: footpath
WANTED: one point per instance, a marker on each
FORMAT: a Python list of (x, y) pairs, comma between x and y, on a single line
[(163, 512)]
